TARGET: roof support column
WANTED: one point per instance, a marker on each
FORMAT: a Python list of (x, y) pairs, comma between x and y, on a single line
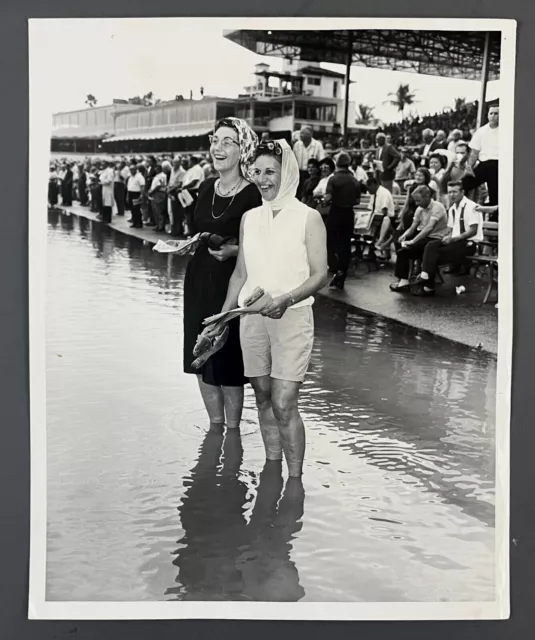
[(484, 80), (349, 61)]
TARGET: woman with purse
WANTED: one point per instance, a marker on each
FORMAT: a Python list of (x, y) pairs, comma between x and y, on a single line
[(220, 205)]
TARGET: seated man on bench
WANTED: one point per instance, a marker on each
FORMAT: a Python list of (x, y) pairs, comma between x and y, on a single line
[(430, 224), (466, 226)]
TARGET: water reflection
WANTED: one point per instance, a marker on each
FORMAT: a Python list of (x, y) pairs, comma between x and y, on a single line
[(234, 547), (399, 472)]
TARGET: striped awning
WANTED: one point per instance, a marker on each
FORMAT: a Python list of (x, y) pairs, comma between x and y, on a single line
[(159, 133)]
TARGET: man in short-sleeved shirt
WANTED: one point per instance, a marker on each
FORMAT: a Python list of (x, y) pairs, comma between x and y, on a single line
[(430, 223), (381, 200), (465, 226)]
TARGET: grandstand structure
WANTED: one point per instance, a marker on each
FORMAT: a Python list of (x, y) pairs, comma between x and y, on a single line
[(470, 55)]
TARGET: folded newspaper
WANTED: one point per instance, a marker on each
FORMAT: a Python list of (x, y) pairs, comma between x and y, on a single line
[(178, 247), (253, 304), (215, 334)]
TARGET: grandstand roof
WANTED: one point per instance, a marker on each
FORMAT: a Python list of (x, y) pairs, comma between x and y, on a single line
[(453, 54)]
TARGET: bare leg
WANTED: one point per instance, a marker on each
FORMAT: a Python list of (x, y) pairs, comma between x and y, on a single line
[(233, 403), (213, 401), (284, 398), (268, 424)]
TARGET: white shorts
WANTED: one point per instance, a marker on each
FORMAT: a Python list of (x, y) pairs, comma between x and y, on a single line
[(278, 348)]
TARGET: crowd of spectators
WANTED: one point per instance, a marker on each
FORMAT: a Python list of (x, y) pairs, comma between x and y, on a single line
[(159, 191), (433, 163)]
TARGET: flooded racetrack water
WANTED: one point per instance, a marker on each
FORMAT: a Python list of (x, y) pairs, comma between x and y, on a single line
[(397, 498)]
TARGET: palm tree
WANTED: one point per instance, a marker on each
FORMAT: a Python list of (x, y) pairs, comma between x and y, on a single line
[(365, 114), (460, 104), (90, 100), (403, 97)]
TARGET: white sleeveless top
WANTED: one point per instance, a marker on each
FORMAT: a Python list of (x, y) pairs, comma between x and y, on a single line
[(275, 252)]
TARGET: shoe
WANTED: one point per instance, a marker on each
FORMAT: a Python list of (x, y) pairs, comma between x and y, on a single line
[(404, 288), (338, 281), (421, 292)]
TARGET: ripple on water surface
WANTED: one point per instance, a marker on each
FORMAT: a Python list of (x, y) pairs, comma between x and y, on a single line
[(397, 502)]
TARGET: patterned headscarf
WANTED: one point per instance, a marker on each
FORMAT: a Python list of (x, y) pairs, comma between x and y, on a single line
[(247, 139)]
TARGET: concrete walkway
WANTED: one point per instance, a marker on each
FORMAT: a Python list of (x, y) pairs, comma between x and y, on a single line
[(461, 318)]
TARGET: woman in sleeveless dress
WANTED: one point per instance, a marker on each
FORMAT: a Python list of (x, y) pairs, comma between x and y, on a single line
[(282, 250), (220, 206)]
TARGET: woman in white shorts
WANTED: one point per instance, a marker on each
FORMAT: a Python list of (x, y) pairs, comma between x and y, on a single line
[(283, 250)]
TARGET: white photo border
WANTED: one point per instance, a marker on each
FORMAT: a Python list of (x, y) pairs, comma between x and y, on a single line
[(39, 155)]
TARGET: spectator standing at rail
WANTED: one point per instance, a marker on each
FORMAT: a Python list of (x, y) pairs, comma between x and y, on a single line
[(106, 182), (82, 185), (175, 184), (191, 183), (135, 189)]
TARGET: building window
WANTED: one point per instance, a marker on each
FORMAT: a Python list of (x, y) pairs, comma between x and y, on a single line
[(335, 89), (313, 81)]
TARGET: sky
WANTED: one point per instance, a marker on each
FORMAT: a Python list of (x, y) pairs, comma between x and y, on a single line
[(122, 58)]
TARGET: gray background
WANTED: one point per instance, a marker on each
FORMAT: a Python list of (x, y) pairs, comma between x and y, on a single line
[(14, 407)]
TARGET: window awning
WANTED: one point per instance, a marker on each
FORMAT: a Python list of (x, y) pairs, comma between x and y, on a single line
[(158, 133), (79, 133)]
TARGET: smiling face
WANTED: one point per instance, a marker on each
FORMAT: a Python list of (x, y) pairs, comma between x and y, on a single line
[(419, 177), (435, 165), (325, 170), (225, 149), (267, 176)]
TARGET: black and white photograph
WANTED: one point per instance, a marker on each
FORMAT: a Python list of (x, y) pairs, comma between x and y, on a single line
[(271, 318)]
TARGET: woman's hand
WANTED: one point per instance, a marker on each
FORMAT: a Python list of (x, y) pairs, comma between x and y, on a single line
[(277, 308), (225, 252)]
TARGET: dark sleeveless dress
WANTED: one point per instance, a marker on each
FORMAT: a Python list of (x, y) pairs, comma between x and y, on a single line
[(206, 284)]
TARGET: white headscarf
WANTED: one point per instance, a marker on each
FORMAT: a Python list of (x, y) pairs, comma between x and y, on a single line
[(285, 198)]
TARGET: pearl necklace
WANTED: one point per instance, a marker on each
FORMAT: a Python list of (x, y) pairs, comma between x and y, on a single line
[(230, 203)]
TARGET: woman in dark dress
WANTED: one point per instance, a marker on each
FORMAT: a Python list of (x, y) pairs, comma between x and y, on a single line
[(220, 206)]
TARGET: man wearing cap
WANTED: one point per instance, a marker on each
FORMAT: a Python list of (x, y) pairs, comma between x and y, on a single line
[(305, 149)]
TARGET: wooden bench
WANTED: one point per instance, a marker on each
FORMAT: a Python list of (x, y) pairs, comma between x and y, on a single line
[(487, 257)]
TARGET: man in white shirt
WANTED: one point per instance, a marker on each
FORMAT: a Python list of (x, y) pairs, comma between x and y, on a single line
[(466, 230), (305, 149), (191, 183), (119, 186), (175, 183), (158, 196), (381, 200), (484, 148), (135, 189)]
